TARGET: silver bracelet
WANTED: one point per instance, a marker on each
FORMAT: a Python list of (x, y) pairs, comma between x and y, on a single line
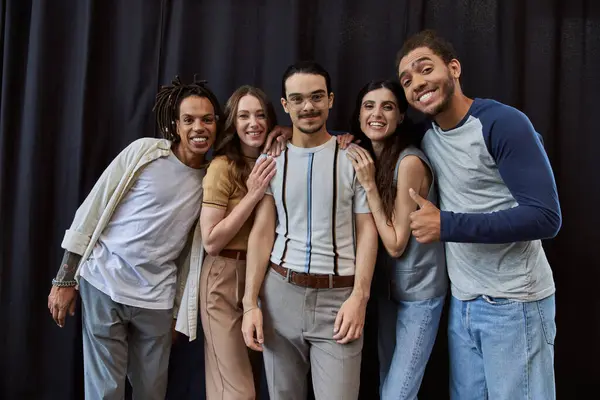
[(64, 283)]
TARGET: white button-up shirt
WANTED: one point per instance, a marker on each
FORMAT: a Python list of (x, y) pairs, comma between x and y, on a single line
[(97, 209)]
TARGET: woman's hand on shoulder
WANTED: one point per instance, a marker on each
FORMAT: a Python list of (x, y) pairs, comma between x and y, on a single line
[(363, 164), (260, 177)]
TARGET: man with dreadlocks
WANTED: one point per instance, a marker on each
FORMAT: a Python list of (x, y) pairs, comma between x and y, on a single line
[(124, 248)]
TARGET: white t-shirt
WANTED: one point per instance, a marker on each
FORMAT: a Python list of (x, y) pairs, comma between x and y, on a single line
[(317, 194), (133, 261)]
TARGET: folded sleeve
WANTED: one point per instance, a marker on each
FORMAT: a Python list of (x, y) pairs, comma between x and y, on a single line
[(217, 184)]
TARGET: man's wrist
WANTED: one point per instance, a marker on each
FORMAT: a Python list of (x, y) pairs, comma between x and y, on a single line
[(361, 294), (64, 283), (66, 273)]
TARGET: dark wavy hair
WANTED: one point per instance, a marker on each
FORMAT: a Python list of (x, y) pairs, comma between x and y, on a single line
[(231, 146), (406, 134)]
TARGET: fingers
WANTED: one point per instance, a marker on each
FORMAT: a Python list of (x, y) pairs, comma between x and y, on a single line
[(262, 164), (281, 144), (360, 154), (419, 231), (269, 167), (259, 335), (278, 146), (355, 162), (54, 312), (354, 333), (350, 154), (251, 342), (416, 198), (59, 314), (364, 154), (279, 134), (72, 307), (62, 314), (249, 327), (343, 331), (267, 179), (338, 322), (246, 335), (344, 140), (259, 165), (270, 137)]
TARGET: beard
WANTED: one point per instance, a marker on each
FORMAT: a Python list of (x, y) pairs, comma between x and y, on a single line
[(312, 129), (448, 88)]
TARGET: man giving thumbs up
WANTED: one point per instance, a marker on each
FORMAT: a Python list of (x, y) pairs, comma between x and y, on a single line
[(497, 199), (425, 222)]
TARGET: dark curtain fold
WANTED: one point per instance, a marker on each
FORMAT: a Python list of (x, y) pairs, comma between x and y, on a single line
[(77, 84)]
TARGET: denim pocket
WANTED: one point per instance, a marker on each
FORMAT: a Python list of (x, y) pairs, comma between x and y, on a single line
[(547, 310), (498, 301)]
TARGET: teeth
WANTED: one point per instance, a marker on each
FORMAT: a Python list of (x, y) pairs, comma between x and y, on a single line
[(426, 96), (254, 134), (199, 139), (377, 124)]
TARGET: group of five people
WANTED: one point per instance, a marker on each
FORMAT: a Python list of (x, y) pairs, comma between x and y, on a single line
[(299, 229)]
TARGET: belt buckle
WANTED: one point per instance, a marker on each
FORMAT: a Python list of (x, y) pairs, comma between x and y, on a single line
[(330, 281), (288, 276)]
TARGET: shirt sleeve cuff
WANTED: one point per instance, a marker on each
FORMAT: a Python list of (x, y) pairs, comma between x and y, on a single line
[(75, 242)]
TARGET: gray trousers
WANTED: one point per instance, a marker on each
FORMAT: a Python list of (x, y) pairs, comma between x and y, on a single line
[(122, 341), (298, 332)]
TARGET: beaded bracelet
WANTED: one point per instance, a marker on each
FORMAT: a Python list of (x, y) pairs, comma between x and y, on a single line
[(64, 283)]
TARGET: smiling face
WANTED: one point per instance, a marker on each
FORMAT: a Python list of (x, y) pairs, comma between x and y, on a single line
[(197, 129), (251, 122), (307, 101), (379, 114), (428, 82)]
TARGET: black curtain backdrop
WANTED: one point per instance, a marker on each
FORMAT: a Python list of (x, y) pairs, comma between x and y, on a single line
[(78, 79)]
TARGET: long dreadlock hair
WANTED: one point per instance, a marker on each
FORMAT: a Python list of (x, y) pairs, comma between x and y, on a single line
[(169, 99)]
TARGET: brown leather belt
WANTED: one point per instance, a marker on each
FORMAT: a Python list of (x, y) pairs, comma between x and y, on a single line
[(314, 281), (235, 254)]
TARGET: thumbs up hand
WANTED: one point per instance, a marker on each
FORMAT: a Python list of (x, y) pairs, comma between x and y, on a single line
[(425, 223)]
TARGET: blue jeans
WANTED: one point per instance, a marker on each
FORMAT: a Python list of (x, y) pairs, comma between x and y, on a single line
[(502, 349), (407, 332)]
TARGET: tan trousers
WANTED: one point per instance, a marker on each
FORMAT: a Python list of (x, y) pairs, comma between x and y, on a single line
[(228, 366)]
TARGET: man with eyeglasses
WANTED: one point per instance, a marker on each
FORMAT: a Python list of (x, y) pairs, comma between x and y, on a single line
[(311, 254)]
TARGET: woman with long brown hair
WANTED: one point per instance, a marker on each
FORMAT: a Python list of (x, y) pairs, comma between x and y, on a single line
[(411, 276), (234, 183)]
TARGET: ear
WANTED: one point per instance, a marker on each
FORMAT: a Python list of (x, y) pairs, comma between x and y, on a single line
[(284, 104), (455, 68), (331, 96)]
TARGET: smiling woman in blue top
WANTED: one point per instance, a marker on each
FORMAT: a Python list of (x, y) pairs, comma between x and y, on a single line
[(498, 199)]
